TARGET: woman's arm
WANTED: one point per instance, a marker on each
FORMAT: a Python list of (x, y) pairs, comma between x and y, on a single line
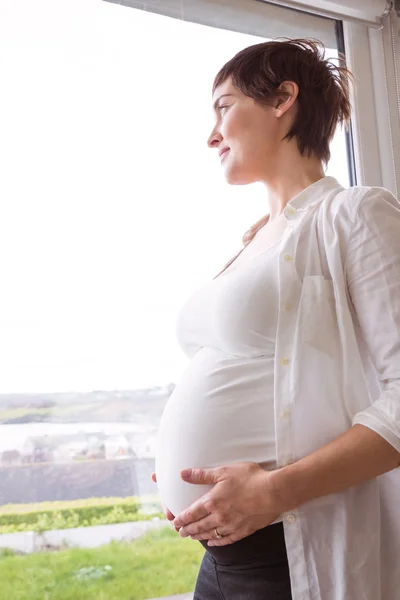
[(356, 456)]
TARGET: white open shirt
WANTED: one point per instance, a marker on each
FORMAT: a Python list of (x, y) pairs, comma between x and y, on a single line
[(338, 363)]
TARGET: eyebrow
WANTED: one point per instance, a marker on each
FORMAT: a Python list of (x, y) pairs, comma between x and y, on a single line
[(218, 99)]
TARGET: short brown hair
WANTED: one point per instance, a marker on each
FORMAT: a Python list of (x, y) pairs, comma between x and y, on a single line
[(323, 99)]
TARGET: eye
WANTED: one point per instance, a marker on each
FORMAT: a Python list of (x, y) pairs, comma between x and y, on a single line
[(222, 106)]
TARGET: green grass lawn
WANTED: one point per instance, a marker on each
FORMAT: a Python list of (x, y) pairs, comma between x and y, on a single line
[(158, 564)]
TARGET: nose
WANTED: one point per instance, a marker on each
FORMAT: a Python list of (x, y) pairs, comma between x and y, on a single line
[(214, 139)]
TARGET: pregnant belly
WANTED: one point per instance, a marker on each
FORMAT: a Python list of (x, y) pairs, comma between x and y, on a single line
[(220, 413)]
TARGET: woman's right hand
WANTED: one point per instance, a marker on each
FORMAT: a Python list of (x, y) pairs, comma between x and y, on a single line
[(166, 511)]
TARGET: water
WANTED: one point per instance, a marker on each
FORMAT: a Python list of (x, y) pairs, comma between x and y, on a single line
[(13, 437)]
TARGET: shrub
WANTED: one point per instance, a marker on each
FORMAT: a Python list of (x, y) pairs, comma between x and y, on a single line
[(121, 510)]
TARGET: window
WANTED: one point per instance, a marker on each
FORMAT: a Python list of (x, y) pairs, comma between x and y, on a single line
[(114, 210)]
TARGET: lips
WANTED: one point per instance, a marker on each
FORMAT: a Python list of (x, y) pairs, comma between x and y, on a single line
[(223, 152)]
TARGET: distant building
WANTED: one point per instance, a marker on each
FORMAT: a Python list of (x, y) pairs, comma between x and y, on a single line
[(77, 448), (144, 445), (96, 448), (118, 446), (42, 454), (62, 453), (28, 450), (10, 458), (159, 390), (36, 450)]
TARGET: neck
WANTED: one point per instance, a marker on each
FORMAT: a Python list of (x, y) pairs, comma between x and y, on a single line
[(291, 175)]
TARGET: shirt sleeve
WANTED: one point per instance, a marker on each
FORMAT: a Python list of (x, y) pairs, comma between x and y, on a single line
[(373, 278)]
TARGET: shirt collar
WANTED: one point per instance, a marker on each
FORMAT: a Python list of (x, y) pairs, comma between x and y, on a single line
[(310, 196)]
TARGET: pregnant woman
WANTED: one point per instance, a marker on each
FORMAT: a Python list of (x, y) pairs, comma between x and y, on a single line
[(279, 446)]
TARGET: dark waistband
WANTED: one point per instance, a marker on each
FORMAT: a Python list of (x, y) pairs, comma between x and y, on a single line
[(267, 544)]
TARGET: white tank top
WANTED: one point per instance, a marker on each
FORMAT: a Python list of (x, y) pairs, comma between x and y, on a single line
[(222, 410)]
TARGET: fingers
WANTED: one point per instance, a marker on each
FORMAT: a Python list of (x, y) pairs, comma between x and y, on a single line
[(166, 510), (207, 535), (212, 540), (195, 512), (204, 526), (168, 513), (203, 476), (226, 540)]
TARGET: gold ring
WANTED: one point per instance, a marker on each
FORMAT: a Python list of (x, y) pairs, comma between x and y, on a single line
[(218, 535)]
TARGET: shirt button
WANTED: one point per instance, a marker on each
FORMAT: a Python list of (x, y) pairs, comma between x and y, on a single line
[(284, 361), (287, 306), (288, 258), (291, 519), (285, 414), (290, 211)]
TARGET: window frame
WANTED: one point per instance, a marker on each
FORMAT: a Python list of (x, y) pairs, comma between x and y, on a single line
[(372, 55)]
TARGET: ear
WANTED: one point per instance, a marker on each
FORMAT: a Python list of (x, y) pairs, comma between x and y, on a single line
[(287, 94)]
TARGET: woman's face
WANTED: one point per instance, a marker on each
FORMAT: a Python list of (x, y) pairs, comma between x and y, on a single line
[(247, 135)]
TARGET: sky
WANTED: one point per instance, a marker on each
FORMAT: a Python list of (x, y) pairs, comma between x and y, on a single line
[(113, 210)]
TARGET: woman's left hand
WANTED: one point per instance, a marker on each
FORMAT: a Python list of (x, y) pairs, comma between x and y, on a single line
[(243, 499)]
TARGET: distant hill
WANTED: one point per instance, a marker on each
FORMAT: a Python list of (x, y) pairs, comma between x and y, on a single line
[(135, 406)]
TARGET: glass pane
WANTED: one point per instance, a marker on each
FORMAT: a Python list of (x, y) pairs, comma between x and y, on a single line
[(113, 211)]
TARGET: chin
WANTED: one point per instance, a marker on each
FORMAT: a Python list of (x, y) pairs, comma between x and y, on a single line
[(234, 177)]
